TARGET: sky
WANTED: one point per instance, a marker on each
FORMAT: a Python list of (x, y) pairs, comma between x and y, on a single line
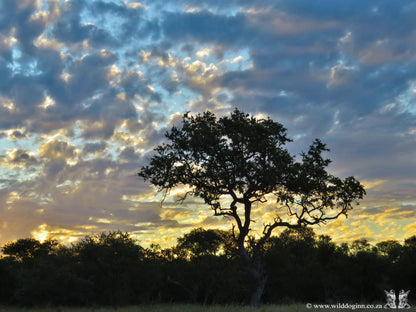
[(88, 89)]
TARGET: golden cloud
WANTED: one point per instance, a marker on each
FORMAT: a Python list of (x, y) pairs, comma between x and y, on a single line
[(18, 159), (56, 149)]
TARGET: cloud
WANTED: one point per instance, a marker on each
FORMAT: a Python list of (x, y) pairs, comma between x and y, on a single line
[(19, 159), (94, 148), (204, 27), (55, 149), (70, 29), (87, 90)]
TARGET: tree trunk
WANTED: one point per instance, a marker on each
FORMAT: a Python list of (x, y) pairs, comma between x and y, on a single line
[(255, 269), (254, 263), (255, 299), (260, 279)]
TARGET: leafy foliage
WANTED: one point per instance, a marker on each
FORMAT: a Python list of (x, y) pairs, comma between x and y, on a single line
[(201, 242), (221, 157), (27, 248), (244, 159), (111, 269)]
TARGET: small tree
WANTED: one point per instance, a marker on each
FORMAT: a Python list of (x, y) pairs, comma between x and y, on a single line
[(234, 162), (29, 248), (111, 259), (201, 242)]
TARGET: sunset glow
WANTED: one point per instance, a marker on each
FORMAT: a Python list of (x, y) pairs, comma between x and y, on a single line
[(88, 89)]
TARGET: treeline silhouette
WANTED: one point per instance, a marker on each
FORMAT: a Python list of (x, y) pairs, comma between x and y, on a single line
[(113, 269)]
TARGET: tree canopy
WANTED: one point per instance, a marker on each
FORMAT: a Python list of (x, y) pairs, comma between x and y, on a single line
[(112, 269), (235, 161), (245, 158)]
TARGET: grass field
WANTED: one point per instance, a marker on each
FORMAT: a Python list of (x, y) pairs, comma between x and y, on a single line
[(196, 308)]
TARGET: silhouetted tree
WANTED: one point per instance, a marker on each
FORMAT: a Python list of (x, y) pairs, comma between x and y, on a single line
[(360, 246), (111, 262), (237, 161), (27, 248), (43, 274), (293, 268), (410, 242), (8, 280), (391, 249), (111, 269), (405, 265), (327, 254), (206, 261), (201, 242)]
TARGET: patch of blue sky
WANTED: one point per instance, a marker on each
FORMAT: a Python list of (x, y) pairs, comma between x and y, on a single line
[(113, 151), (5, 181), (43, 6), (226, 10), (77, 138), (6, 144), (31, 68), (15, 65), (155, 8), (20, 66), (17, 175), (238, 60), (407, 100), (221, 8), (178, 102), (30, 142)]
